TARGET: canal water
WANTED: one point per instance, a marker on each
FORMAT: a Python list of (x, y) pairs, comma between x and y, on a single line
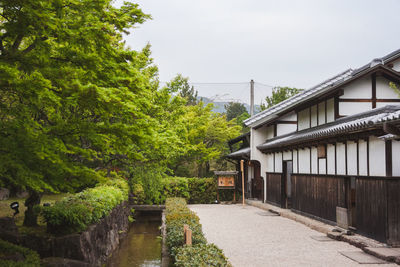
[(142, 245)]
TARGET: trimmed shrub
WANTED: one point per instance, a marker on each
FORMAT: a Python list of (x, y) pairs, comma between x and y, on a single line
[(12, 256), (177, 214), (200, 255), (138, 194), (75, 213), (194, 190)]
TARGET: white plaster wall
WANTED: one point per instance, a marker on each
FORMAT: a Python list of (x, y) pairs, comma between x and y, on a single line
[(322, 166), (362, 158), (360, 88), (330, 110), (377, 165), (285, 129), (382, 104), (270, 131), (395, 158), (321, 113), (351, 158), (330, 157), (287, 155), (314, 116), (341, 158), (278, 162), (258, 137), (294, 161), (304, 160), (383, 89), (304, 119), (350, 108), (292, 116), (314, 160), (396, 65), (269, 163)]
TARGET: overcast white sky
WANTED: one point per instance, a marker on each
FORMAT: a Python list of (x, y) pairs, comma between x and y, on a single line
[(285, 42)]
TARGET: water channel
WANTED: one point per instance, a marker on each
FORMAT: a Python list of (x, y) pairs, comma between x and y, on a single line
[(142, 245)]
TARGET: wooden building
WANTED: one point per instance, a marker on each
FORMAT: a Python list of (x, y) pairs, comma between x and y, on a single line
[(332, 151)]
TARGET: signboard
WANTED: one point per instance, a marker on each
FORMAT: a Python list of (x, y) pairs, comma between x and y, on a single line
[(227, 182)]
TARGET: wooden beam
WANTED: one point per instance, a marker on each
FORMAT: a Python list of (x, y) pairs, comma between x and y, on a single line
[(391, 129), (388, 156), (373, 80)]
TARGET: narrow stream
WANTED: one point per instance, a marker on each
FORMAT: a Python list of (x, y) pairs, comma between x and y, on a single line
[(142, 246)]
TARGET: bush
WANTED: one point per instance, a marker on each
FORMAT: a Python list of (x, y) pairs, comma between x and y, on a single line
[(177, 214), (138, 195), (194, 190), (8, 251), (200, 255), (75, 213)]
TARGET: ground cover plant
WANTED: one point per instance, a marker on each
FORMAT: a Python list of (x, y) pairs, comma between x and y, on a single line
[(177, 214), (76, 212), (12, 256)]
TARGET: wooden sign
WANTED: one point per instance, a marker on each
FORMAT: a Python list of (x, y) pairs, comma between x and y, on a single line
[(226, 182)]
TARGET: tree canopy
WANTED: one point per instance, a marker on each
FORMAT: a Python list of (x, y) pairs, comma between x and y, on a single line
[(278, 95)]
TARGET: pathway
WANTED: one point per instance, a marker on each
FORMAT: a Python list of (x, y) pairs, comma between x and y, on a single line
[(253, 237)]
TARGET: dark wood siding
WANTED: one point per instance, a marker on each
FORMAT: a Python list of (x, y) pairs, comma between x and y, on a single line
[(318, 195), (371, 207), (274, 188), (393, 188)]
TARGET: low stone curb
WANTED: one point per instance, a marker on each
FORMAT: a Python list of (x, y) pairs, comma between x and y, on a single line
[(366, 244), (165, 258)]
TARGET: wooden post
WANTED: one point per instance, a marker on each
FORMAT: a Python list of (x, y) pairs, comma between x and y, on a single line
[(242, 170), (187, 235)]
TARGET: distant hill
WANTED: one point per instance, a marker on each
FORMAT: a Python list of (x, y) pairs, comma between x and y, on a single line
[(220, 106)]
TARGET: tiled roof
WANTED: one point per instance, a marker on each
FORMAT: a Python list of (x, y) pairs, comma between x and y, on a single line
[(362, 121), (316, 90), (244, 152)]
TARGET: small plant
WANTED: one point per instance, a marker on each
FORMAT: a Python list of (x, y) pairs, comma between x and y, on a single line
[(9, 250), (200, 255)]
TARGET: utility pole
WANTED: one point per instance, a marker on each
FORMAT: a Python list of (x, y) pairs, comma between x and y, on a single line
[(251, 97)]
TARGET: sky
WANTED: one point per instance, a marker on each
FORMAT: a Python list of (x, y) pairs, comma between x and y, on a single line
[(222, 44)]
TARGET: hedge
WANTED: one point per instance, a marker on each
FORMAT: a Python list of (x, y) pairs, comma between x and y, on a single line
[(194, 190), (177, 214), (75, 213), (9, 252)]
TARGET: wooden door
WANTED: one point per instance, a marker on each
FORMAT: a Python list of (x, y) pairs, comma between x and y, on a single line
[(287, 184)]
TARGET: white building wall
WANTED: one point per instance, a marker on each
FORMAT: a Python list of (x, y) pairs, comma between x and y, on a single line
[(278, 162), (395, 158), (322, 166), (321, 113), (330, 157), (258, 137), (351, 158), (314, 116), (292, 116), (362, 158), (341, 159), (269, 163), (350, 108), (295, 167), (360, 88), (285, 129), (382, 104), (304, 160), (330, 110), (377, 163), (383, 90), (314, 160), (303, 119), (287, 155)]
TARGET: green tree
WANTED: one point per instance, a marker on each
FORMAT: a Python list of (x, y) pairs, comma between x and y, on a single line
[(74, 100), (234, 110), (278, 95), (181, 86)]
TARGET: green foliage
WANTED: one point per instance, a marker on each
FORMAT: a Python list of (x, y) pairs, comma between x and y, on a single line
[(181, 86), (234, 110), (177, 214), (278, 95), (76, 212), (200, 255), (138, 195), (8, 250)]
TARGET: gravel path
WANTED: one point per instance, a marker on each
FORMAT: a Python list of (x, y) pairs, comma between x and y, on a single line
[(249, 238)]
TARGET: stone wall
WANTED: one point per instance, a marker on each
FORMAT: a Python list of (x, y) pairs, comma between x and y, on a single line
[(92, 246)]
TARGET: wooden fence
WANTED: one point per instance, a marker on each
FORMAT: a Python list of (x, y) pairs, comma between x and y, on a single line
[(274, 188), (319, 195)]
